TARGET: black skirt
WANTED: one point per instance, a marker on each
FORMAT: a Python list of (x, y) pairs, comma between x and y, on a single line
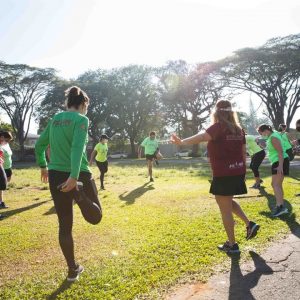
[(228, 185)]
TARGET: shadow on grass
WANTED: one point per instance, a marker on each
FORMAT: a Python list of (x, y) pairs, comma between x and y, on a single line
[(241, 285), (289, 219), (63, 287), (51, 211), (22, 209), (136, 193)]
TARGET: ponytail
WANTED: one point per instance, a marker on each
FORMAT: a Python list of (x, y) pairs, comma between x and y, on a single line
[(264, 127), (76, 97)]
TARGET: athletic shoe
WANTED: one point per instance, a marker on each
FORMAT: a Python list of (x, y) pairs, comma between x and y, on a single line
[(280, 210), (251, 230), (255, 186), (73, 274), (2, 205), (102, 188), (234, 249), (261, 181), (151, 179)]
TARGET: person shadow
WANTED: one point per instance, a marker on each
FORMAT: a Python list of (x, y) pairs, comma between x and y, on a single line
[(131, 197), (63, 287), (290, 219), (13, 212), (51, 211), (240, 285)]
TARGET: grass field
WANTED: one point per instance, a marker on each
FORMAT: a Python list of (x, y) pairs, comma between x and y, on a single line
[(152, 236)]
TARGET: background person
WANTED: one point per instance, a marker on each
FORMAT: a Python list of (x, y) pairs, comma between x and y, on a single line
[(3, 178), (5, 138), (257, 156), (287, 145), (227, 152), (280, 165), (151, 149), (100, 154)]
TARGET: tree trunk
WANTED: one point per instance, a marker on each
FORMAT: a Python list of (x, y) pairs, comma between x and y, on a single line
[(132, 145)]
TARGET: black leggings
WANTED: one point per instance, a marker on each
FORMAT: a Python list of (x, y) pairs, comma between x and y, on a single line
[(256, 161), (103, 168), (3, 179), (87, 200)]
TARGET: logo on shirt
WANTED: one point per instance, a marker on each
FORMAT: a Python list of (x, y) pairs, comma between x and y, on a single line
[(236, 165), (61, 123)]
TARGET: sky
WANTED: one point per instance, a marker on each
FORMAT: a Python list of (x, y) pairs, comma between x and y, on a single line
[(74, 36)]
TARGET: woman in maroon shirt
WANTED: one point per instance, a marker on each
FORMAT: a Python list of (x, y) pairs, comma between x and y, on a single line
[(227, 153)]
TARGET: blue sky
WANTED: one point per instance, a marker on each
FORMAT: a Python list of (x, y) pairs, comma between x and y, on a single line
[(76, 35)]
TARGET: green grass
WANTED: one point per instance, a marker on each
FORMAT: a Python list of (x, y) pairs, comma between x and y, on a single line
[(152, 236)]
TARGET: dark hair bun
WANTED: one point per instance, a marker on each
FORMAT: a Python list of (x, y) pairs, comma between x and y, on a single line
[(76, 97)]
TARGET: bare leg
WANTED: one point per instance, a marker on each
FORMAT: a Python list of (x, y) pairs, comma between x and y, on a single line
[(277, 181), (149, 162), (225, 205), (237, 210)]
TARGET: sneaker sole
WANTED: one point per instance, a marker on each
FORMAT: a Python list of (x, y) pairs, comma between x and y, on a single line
[(229, 251), (76, 278), (281, 213), (253, 232)]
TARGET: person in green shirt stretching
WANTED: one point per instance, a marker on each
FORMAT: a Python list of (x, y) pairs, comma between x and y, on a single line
[(286, 141), (69, 175), (257, 156), (100, 154), (5, 138), (151, 149), (280, 165)]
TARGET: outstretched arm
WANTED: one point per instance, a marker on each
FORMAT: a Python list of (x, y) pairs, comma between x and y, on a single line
[(195, 139)]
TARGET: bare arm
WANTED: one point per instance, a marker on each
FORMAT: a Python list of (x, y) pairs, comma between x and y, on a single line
[(93, 155), (195, 139), (277, 145), (244, 153)]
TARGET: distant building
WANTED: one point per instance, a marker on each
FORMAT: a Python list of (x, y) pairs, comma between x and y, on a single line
[(31, 140)]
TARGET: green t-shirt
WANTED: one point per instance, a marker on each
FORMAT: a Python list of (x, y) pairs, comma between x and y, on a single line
[(7, 153), (101, 150), (252, 146), (286, 142), (67, 135), (150, 145), (273, 154)]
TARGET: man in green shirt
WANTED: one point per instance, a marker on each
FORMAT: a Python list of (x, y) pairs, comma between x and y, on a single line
[(151, 149), (100, 154), (257, 156)]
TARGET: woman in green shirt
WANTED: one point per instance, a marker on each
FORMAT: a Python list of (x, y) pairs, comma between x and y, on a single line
[(286, 141), (5, 138), (100, 153), (69, 175), (257, 156), (280, 165)]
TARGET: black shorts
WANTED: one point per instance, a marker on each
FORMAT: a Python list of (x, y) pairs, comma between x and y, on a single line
[(102, 166), (228, 185), (150, 156), (286, 167), (3, 179), (8, 172)]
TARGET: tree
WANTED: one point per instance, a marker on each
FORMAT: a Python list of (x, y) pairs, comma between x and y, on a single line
[(272, 73), (134, 100), (189, 96), (21, 89)]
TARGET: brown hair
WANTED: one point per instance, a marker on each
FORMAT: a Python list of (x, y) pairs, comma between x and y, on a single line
[(152, 133), (75, 97), (281, 127), (264, 127), (226, 117), (6, 135)]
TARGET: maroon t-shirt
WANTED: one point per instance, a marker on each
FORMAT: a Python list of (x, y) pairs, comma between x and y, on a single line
[(226, 151)]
